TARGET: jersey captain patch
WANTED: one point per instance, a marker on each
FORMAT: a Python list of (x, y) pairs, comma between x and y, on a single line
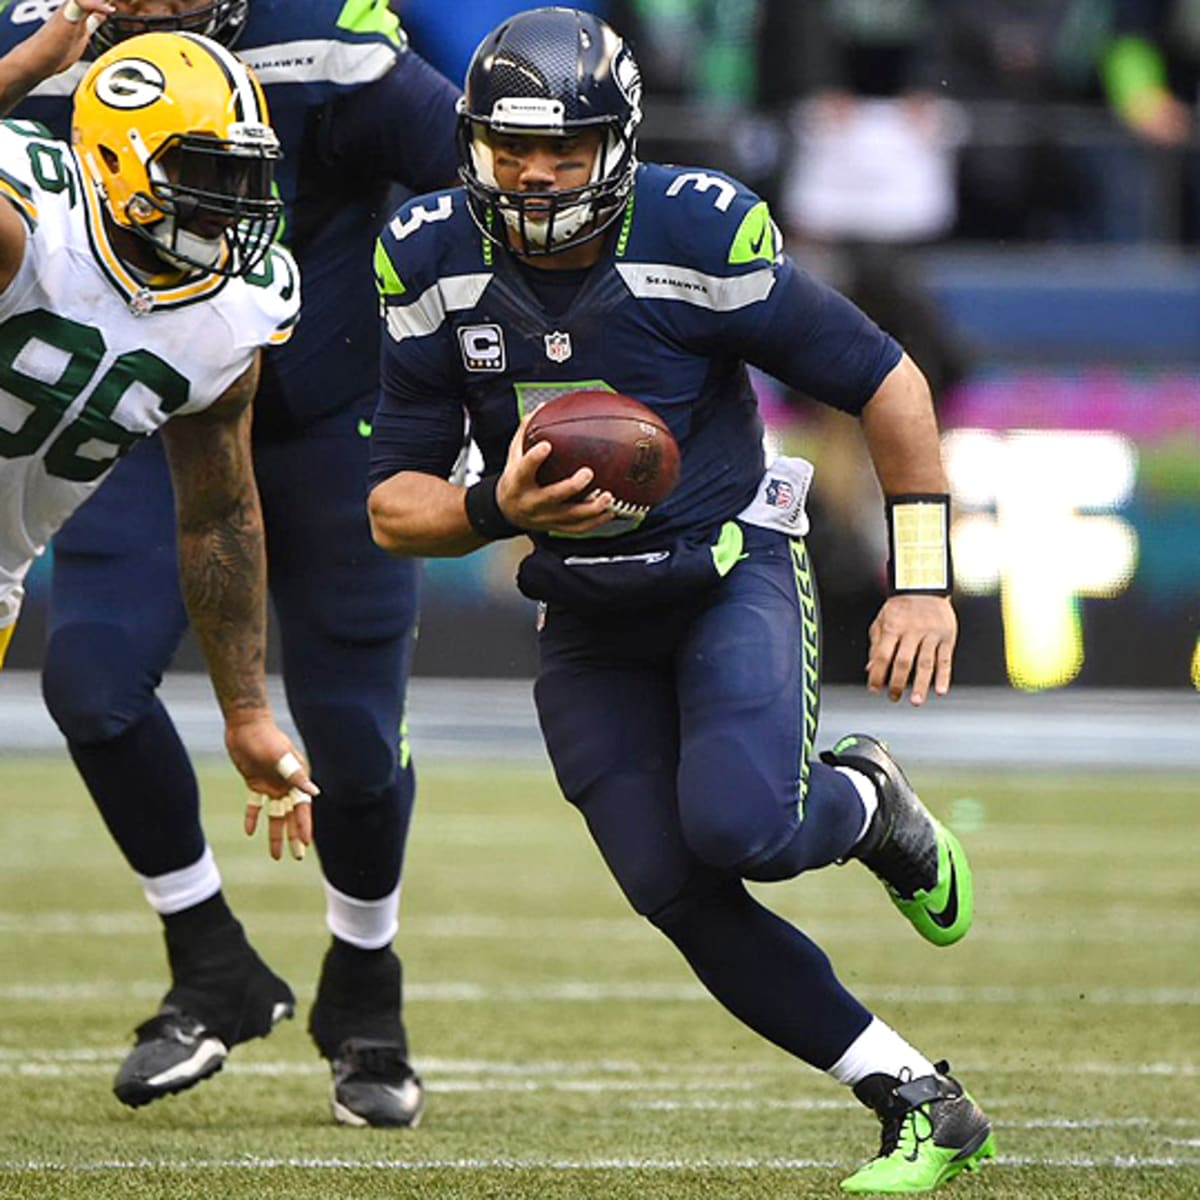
[(482, 347)]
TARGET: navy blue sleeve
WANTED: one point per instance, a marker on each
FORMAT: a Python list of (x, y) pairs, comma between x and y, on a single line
[(401, 126), (812, 338), (419, 418)]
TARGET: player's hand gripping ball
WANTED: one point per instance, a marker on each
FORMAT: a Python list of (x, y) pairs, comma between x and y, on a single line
[(627, 445)]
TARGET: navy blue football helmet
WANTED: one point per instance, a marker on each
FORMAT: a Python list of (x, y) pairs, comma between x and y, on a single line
[(552, 72), (221, 20)]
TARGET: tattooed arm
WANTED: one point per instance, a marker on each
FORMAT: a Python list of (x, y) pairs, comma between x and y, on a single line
[(222, 567)]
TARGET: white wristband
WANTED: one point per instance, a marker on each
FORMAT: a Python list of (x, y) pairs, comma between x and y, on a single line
[(918, 528)]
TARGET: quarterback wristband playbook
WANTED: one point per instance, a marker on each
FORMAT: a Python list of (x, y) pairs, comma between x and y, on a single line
[(918, 528), (483, 511)]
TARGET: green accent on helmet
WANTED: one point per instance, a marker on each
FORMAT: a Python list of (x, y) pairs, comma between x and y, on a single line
[(727, 552), (370, 16), (755, 238), (386, 279)]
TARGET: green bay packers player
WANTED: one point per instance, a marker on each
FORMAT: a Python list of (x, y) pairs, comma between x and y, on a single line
[(138, 284)]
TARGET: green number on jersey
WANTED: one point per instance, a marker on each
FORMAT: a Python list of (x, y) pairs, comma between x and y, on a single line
[(46, 361)]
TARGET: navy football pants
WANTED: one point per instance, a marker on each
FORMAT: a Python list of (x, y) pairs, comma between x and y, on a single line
[(684, 736), (345, 616)]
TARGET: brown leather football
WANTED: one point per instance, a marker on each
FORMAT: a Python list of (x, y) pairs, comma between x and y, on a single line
[(626, 444)]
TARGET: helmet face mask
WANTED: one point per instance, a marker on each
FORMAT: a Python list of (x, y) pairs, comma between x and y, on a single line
[(221, 20), (172, 131), (554, 73)]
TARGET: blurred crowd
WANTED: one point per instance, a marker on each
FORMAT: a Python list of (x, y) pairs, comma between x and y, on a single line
[(878, 129), (914, 120)]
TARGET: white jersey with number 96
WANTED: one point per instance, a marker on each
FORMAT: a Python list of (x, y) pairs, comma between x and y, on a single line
[(92, 359)]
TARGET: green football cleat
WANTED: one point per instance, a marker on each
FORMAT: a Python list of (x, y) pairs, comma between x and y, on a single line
[(932, 1131), (921, 863)]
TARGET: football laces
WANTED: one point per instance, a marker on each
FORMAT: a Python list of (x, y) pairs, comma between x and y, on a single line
[(624, 509)]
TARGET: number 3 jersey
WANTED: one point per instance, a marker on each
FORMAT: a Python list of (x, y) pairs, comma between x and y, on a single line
[(91, 358), (691, 286)]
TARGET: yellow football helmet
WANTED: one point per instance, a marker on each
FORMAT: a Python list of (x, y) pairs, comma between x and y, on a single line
[(173, 130)]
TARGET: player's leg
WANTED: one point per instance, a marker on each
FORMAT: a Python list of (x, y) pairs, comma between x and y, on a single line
[(611, 728), (346, 615), (613, 736), (116, 618), (749, 690), (750, 684)]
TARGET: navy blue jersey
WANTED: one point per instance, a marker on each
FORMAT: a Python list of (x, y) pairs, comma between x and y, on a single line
[(692, 286), (356, 112)]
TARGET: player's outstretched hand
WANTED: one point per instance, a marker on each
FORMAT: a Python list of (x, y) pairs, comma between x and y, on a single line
[(912, 646), (58, 44), (569, 506), (278, 779)]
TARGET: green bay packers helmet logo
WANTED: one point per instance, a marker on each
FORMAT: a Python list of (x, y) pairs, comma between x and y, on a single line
[(130, 83)]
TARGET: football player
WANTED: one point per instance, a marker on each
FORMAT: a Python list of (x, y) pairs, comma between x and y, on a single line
[(138, 284), (678, 685), (355, 111)]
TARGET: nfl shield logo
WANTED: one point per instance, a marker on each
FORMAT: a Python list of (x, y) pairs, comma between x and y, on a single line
[(558, 347), (779, 493)]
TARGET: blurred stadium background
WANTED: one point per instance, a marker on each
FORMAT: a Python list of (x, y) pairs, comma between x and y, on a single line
[(979, 176), (962, 169)]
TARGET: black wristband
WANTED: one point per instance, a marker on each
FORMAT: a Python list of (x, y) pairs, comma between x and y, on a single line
[(483, 511)]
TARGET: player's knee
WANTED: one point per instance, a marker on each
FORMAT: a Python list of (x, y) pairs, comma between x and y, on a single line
[(733, 830), (90, 684), (356, 753)]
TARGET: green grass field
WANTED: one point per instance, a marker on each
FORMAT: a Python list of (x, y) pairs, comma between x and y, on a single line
[(568, 1053)]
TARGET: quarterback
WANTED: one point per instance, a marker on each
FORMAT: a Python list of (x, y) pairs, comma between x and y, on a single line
[(678, 684), (133, 296)]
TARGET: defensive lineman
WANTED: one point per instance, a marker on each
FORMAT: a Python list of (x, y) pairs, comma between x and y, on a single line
[(115, 322), (356, 110)]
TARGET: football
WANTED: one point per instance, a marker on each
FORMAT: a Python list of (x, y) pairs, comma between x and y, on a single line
[(627, 445)]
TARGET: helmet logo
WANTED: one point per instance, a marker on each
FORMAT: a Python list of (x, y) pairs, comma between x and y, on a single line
[(130, 83), (628, 77)]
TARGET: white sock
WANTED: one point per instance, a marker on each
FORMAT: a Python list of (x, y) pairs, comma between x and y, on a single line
[(367, 924), (879, 1050), (866, 792), (185, 888)]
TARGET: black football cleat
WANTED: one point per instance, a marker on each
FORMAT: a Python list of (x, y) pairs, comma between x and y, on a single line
[(932, 1131), (173, 1052), (921, 863), (373, 1084), (355, 1023), (223, 994)]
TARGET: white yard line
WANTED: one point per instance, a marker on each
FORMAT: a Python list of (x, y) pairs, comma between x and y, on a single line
[(1128, 1162), (589, 991)]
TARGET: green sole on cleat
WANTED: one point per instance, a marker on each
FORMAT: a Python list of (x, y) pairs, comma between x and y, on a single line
[(897, 1175), (944, 914)]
